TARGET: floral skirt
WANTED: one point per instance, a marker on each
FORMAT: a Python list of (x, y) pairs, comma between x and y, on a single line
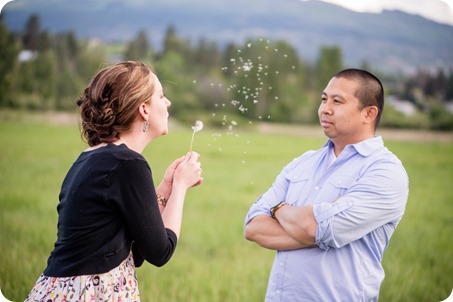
[(119, 284)]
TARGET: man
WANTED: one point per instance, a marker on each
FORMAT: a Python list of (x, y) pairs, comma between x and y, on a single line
[(331, 212)]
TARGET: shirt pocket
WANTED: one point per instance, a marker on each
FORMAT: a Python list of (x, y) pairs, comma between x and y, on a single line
[(297, 185), (336, 187)]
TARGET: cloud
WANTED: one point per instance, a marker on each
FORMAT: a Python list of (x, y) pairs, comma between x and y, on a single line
[(449, 3), (437, 10), (2, 3)]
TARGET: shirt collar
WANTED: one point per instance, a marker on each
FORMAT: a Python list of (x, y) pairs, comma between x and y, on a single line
[(365, 147)]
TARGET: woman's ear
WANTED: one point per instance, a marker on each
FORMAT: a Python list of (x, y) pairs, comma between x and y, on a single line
[(143, 111)]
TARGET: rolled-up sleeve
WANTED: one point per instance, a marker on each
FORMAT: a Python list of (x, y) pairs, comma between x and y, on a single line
[(274, 195), (264, 203), (376, 199)]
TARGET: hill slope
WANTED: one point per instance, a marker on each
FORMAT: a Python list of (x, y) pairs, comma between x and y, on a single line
[(390, 41)]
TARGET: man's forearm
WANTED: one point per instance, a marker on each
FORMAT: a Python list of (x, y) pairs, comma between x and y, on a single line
[(299, 223), (268, 233)]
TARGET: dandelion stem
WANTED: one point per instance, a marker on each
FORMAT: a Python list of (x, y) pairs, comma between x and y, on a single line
[(191, 143), (198, 126)]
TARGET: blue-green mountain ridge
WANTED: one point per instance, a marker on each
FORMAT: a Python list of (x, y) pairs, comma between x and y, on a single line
[(391, 40)]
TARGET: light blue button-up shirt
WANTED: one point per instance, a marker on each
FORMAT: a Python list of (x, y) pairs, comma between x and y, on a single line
[(358, 200)]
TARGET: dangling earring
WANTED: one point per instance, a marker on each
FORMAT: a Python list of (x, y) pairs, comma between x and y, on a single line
[(145, 126)]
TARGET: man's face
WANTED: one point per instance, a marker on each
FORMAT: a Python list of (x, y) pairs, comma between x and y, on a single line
[(340, 114)]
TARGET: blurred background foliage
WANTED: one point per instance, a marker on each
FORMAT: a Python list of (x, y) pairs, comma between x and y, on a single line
[(258, 80)]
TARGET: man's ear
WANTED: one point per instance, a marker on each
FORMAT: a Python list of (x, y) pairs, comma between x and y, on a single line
[(371, 113)]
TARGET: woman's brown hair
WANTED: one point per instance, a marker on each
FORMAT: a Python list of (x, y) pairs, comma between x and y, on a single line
[(109, 103)]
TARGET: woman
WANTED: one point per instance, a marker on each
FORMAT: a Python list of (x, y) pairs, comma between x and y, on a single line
[(110, 216)]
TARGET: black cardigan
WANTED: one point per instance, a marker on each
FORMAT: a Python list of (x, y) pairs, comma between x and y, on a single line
[(107, 204)]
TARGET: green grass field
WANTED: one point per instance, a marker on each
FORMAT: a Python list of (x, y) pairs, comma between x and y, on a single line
[(213, 262)]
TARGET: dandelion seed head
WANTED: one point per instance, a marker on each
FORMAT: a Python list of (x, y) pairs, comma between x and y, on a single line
[(198, 126)]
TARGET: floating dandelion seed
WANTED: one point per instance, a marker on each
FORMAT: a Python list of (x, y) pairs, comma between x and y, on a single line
[(248, 94), (198, 126), (247, 66)]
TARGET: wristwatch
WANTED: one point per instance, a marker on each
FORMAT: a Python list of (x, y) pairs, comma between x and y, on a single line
[(277, 207)]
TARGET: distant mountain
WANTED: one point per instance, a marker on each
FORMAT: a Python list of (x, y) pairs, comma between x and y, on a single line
[(389, 41)]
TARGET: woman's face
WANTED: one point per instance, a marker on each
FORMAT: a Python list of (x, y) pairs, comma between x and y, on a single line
[(158, 105)]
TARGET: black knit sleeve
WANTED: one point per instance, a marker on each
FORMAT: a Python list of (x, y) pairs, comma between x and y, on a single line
[(132, 187)]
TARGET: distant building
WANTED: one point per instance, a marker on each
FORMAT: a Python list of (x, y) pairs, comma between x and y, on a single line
[(405, 107), (27, 55), (449, 106)]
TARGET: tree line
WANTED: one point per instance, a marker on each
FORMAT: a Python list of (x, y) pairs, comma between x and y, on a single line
[(256, 80)]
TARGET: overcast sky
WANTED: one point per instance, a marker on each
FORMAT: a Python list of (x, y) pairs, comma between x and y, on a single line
[(438, 10)]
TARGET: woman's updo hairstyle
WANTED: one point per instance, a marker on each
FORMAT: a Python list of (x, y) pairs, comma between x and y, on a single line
[(109, 104)]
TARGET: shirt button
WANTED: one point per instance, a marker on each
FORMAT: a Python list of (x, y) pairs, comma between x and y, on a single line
[(316, 188), (278, 292), (281, 263)]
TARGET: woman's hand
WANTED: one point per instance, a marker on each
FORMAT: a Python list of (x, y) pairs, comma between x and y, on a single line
[(168, 176), (166, 185), (188, 171)]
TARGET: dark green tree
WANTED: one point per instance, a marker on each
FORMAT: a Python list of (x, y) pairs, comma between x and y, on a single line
[(207, 55), (31, 33), (329, 62), (9, 50), (72, 44), (449, 89), (266, 78), (173, 43), (139, 48), (227, 63)]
